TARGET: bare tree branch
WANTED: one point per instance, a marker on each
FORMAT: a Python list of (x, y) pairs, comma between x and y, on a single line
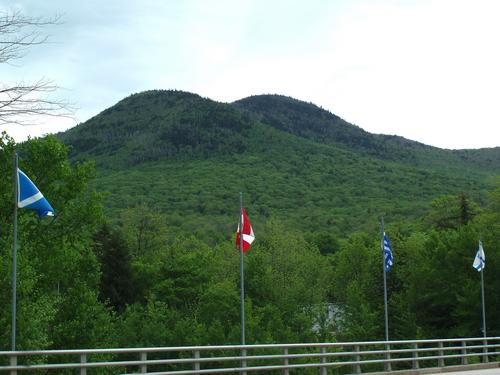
[(20, 102), (18, 33)]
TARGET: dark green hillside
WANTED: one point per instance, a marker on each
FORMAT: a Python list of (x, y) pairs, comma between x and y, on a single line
[(309, 121), (158, 125), (304, 119), (158, 267), (189, 157)]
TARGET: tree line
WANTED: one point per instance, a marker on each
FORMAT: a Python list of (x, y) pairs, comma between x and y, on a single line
[(88, 281)]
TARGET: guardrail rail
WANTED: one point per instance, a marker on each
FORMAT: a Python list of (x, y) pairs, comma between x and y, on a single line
[(335, 357)]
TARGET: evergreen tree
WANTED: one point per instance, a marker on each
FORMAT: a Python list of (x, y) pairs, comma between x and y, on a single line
[(117, 279)]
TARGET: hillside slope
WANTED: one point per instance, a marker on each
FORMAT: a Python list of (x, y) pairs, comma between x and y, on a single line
[(189, 157), (309, 121), (158, 125)]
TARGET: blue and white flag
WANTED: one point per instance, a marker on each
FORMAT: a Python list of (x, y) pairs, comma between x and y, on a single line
[(28, 196), (388, 259), (480, 259)]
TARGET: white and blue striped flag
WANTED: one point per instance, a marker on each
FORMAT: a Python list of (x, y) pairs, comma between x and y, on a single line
[(480, 259), (388, 258), (28, 196)]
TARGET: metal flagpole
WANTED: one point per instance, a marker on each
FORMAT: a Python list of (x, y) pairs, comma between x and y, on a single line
[(485, 342), (387, 365), (482, 301), (242, 283), (14, 254), (385, 282)]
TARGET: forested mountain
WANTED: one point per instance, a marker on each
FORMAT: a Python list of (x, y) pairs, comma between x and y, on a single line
[(188, 157), (141, 251), (309, 121)]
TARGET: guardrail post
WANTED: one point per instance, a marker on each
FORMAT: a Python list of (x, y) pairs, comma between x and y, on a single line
[(143, 368), (286, 371), (196, 364), (83, 360), (464, 353), (243, 361), (357, 358), (415, 364), (440, 353), (13, 362), (485, 351), (322, 369), (387, 355)]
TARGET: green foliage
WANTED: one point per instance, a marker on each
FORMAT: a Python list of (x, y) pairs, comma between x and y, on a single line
[(279, 272), (145, 231), (117, 279), (433, 291), (171, 129), (189, 157), (308, 121), (58, 273), (82, 321), (358, 287), (440, 279), (164, 271), (450, 212), (197, 289)]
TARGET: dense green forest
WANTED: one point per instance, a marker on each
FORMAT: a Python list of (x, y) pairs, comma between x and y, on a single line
[(189, 157), (141, 252)]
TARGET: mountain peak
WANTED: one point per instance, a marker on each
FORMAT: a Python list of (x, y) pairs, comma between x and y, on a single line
[(265, 102), (171, 124), (159, 124), (303, 119), (164, 94), (191, 155)]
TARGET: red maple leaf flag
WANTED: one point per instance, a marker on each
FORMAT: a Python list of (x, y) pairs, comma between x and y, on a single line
[(248, 236)]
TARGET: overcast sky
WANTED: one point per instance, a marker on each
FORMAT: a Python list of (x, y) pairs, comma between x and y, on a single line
[(426, 70)]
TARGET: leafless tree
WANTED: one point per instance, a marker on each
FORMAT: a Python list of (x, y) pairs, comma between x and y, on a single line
[(22, 102)]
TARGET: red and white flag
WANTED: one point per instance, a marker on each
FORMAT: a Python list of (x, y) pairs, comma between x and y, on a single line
[(247, 232)]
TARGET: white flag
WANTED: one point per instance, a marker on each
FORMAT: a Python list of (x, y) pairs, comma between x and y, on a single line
[(480, 259)]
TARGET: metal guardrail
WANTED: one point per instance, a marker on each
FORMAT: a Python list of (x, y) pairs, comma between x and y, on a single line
[(347, 357)]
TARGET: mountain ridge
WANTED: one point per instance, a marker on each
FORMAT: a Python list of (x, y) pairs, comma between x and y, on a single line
[(189, 157), (335, 130), (254, 105)]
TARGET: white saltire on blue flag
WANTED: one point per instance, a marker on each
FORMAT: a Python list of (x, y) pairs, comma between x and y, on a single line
[(30, 197), (480, 259), (388, 259)]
